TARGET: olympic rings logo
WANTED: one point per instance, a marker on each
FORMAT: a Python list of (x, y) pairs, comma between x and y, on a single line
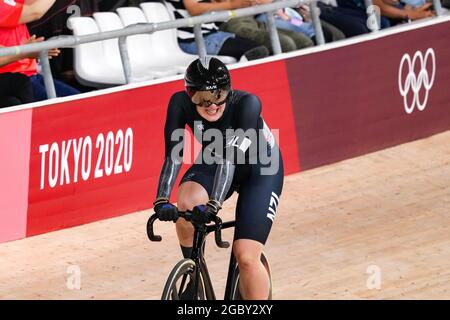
[(415, 83)]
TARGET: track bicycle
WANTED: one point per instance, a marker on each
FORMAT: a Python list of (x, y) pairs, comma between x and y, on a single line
[(193, 271)]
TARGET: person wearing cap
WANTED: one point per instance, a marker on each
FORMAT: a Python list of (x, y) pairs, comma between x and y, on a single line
[(210, 106)]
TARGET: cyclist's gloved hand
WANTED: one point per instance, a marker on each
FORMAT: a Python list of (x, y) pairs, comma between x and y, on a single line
[(205, 213), (165, 210)]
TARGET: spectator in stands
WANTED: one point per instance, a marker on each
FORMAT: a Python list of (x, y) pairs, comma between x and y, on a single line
[(331, 33), (248, 27), (15, 87), (300, 21), (398, 12), (216, 42), (422, 3), (13, 32), (351, 19), (350, 16), (54, 23)]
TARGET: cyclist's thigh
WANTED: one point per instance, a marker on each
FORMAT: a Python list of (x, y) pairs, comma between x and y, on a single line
[(203, 174), (191, 194), (200, 173), (257, 203)]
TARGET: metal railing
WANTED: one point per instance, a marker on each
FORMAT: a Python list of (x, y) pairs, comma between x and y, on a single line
[(66, 41)]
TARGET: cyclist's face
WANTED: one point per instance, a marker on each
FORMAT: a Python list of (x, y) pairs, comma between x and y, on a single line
[(210, 104), (212, 113)]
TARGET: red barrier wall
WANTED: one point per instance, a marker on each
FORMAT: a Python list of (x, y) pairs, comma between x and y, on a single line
[(347, 100), (61, 197), (99, 156), (14, 159), (74, 200)]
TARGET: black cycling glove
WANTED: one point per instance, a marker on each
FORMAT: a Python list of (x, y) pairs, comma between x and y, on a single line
[(203, 214), (165, 210)]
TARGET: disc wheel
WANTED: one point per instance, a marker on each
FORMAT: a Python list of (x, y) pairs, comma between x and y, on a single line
[(180, 283)]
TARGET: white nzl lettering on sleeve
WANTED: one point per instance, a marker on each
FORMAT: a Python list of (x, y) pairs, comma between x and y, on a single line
[(243, 146)]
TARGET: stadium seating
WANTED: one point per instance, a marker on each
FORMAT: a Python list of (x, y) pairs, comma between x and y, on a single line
[(143, 48), (141, 69), (152, 56), (90, 63), (166, 41)]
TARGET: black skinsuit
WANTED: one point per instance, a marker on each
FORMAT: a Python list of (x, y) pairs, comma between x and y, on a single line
[(248, 163)]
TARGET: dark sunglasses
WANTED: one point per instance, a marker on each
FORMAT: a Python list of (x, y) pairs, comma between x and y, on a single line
[(207, 98)]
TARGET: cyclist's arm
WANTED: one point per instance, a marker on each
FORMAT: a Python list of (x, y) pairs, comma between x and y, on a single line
[(222, 181), (174, 137), (167, 178), (250, 109)]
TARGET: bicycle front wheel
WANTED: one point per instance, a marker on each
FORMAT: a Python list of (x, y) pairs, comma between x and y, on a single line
[(181, 283)]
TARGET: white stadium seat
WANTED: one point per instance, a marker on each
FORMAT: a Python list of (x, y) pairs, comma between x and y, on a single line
[(109, 21), (167, 41), (90, 67), (156, 55), (142, 47)]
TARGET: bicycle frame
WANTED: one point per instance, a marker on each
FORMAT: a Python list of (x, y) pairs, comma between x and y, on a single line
[(200, 233), (198, 249)]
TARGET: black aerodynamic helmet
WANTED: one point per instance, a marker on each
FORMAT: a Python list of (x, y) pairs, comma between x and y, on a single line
[(207, 74)]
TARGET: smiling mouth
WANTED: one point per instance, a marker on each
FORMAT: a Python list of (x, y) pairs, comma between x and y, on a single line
[(212, 111)]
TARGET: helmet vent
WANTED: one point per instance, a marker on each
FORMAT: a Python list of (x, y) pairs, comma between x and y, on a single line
[(205, 62)]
